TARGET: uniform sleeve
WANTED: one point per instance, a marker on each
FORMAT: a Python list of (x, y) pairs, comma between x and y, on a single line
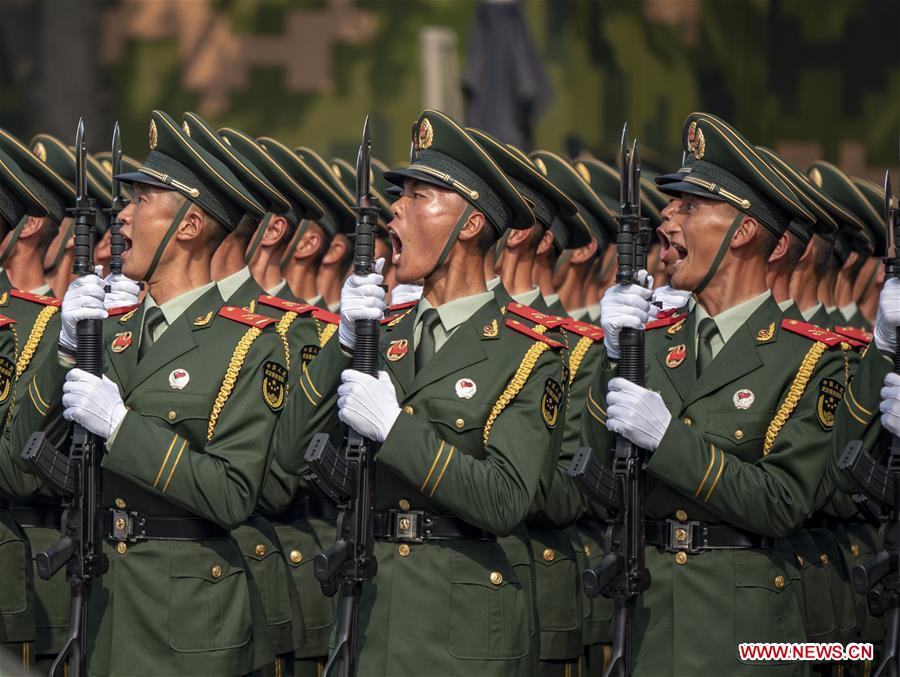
[(311, 406), (772, 496), (220, 480), (494, 488), (279, 488)]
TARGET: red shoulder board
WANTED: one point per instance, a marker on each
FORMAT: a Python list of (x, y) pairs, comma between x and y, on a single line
[(4, 320), (666, 321), (814, 332), (663, 314), (122, 310), (583, 329), (325, 316), (529, 313), (36, 298), (401, 306), (244, 317), (397, 316), (531, 333), (285, 305), (854, 333)]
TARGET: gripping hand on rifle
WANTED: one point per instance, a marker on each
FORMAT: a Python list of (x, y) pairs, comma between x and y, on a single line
[(888, 318), (636, 413), (625, 306), (890, 403), (94, 403), (83, 301), (368, 405), (123, 291), (362, 298)]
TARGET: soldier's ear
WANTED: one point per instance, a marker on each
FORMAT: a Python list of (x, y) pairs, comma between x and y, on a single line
[(584, 253), (276, 229), (746, 232), (336, 250), (545, 244), (474, 225), (781, 249), (191, 226)]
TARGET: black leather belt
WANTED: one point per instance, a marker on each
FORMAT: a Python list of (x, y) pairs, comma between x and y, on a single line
[(37, 516), (416, 526), (304, 508), (131, 526), (694, 537)]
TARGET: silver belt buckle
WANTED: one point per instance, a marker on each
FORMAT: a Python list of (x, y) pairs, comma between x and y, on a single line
[(406, 527)]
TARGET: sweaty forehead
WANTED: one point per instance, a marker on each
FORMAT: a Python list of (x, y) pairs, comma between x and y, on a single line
[(410, 184)]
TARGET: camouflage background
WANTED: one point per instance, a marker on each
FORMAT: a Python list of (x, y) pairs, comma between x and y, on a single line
[(813, 78)]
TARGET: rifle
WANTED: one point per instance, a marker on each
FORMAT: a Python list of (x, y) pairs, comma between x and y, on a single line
[(116, 241), (879, 577), (76, 477), (347, 476), (622, 575)]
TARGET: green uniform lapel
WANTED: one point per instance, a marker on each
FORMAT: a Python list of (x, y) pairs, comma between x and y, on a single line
[(683, 376), (123, 362), (396, 339)]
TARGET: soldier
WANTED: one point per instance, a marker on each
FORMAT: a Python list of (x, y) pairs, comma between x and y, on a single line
[(187, 408), (868, 286), (734, 435)]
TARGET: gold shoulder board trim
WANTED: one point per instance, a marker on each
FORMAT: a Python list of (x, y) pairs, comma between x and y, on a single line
[(231, 375), (795, 392)]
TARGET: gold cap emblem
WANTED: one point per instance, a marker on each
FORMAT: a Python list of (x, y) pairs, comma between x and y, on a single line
[(40, 151), (426, 134), (186, 127), (815, 176), (583, 171), (539, 163), (153, 135)]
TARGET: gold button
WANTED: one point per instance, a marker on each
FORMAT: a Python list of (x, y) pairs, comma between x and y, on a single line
[(800, 561), (172, 415), (121, 547), (496, 577), (260, 550), (549, 555), (738, 434), (408, 409), (779, 582), (403, 503), (296, 556), (855, 550), (403, 550), (120, 524), (680, 535), (681, 515), (824, 559), (216, 571), (120, 503), (460, 423), (681, 558), (587, 551), (687, 420)]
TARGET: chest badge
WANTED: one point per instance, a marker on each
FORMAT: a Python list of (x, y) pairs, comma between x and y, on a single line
[(491, 330), (121, 341), (397, 350), (466, 388), (676, 356), (179, 378), (743, 398)]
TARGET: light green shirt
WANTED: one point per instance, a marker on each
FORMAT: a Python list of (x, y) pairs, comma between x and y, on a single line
[(784, 305), (174, 308), (729, 321), (43, 290), (274, 291), (593, 312), (334, 307), (493, 283), (526, 298), (452, 314), (807, 314), (314, 301), (550, 300), (580, 313), (849, 310), (230, 284)]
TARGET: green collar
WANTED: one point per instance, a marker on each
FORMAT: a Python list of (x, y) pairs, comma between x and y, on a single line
[(229, 284), (173, 308), (732, 319)]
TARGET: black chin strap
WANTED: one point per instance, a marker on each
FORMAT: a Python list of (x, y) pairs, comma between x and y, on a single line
[(257, 239), (720, 255), (165, 241)]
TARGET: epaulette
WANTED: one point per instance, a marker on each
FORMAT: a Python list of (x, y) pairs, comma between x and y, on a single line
[(36, 298), (855, 334), (663, 314), (401, 306), (814, 332), (531, 333), (325, 316), (667, 321), (242, 316), (396, 317), (529, 313), (4, 320), (122, 310), (583, 329), (285, 305)]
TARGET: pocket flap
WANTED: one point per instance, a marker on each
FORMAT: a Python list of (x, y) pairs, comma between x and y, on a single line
[(457, 414)]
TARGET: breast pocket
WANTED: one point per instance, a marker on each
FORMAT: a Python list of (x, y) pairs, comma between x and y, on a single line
[(188, 412), (460, 422), (741, 432)]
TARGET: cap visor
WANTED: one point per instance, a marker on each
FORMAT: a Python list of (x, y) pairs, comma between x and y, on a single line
[(677, 188), (398, 176), (140, 177)]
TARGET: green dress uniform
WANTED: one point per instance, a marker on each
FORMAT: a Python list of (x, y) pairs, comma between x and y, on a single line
[(741, 461)]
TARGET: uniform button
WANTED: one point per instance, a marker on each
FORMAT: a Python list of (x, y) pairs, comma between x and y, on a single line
[(779, 582), (121, 548), (681, 515), (681, 558), (738, 434), (216, 571), (687, 420), (408, 409), (120, 524), (260, 550), (404, 504), (587, 551), (296, 556), (120, 503), (855, 550), (824, 559), (549, 555), (496, 577), (460, 423), (172, 415), (403, 550)]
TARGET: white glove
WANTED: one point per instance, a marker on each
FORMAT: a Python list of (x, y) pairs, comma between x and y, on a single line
[(890, 403), (92, 402), (888, 318), (123, 291), (625, 305), (637, 413), (362, 298), (404, 293), (83, 301), (368, 405), (670, 297)]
